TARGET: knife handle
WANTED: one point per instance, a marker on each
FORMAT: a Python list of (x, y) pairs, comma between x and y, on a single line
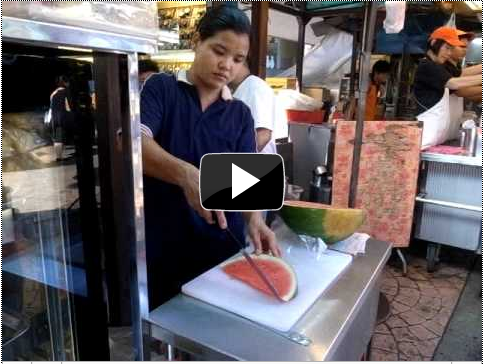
[(230, 234)]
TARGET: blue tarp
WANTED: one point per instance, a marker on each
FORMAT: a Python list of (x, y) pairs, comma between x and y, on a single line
[(413, 38)]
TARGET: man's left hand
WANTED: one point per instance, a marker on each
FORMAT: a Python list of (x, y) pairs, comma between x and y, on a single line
[(262, 237)]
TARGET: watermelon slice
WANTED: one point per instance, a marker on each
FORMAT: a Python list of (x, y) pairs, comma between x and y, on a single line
[(277, 271), (321, 221)]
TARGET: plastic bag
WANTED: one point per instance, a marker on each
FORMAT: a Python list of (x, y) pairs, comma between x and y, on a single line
[(395, 16), (315, 246)]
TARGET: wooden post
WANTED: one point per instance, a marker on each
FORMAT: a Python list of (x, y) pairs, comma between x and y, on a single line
[(355, 58), (259, 43)]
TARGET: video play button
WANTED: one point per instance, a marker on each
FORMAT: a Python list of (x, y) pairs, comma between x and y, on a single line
[(242, 182)]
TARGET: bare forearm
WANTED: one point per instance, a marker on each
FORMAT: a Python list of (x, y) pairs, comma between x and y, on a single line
[(472, 71), (263, 138), (158, 163), (469, 92), (462, 82)]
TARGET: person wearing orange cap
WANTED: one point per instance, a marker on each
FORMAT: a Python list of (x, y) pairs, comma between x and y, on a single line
[(433, 83), (457, 97), (459, 53), (454, 67)]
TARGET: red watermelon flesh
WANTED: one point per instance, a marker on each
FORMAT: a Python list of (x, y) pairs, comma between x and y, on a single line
[(278, 272)]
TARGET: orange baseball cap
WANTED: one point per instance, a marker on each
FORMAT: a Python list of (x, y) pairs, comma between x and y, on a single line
[(449, 35)]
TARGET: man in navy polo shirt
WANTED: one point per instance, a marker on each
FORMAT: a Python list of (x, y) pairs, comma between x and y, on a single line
[(184, 118)]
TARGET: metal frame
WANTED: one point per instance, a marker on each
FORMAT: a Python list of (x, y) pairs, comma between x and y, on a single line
[(452, 159), (291, 10), (302, 21), (364, 70), (30, 31), (301, 10), (453, 205), (139, 282)]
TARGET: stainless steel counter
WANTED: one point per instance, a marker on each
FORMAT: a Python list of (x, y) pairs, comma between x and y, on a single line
[(340, 324), (452, 159)]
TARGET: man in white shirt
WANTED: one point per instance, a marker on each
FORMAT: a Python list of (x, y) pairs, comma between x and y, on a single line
[(260, 98)]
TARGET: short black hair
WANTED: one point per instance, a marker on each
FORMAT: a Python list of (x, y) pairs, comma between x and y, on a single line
[(61, 79), (381, 67), (147, 65), (223, 18), (434, 45)]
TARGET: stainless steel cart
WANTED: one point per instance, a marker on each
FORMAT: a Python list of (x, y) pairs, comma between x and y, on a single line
[(339, 325), (449, 203)]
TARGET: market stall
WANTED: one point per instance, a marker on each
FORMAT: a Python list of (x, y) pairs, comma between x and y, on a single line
[(208, 325), (449, 203), (73, 237), (315, 145)]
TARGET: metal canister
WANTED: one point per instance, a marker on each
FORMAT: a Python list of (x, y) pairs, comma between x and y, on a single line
[(320, 187), (478, 142), (470, 141)]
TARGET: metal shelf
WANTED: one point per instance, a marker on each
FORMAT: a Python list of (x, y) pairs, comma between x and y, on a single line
[(54, 35)]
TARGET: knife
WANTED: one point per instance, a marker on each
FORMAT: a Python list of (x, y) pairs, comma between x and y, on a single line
[(255, 267)]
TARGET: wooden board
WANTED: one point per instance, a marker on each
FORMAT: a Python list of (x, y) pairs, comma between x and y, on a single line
[(388, 176)]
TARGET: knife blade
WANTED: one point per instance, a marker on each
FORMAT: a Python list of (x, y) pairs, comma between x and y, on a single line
[(255, 267)]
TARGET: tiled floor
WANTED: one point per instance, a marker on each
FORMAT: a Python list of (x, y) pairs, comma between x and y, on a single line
[(421, 305), (120, 344)]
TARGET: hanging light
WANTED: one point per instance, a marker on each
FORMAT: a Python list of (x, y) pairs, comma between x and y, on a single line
[(474, 5)]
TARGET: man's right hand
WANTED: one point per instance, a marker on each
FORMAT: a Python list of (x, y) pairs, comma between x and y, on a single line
[(191, 189)]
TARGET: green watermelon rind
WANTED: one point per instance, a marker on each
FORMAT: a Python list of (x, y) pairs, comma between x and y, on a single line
[(312, 222), (293, 290)]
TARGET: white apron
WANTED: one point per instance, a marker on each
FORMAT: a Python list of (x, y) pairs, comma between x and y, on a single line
[(436, 122), (456, 109)]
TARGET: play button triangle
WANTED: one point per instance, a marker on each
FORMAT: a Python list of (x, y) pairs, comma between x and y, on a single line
[(241, 181)]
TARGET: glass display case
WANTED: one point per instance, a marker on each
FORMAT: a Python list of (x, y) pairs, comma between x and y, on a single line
[(50, 173), (72, 208)]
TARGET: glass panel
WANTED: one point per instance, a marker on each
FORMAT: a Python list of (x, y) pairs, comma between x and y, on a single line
[(48, 189), (281, 55)]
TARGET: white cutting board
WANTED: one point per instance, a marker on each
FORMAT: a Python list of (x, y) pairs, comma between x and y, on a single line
[(314, 276)]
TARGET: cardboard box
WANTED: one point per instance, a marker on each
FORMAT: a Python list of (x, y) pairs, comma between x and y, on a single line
[(319, 94), (282, 83)]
